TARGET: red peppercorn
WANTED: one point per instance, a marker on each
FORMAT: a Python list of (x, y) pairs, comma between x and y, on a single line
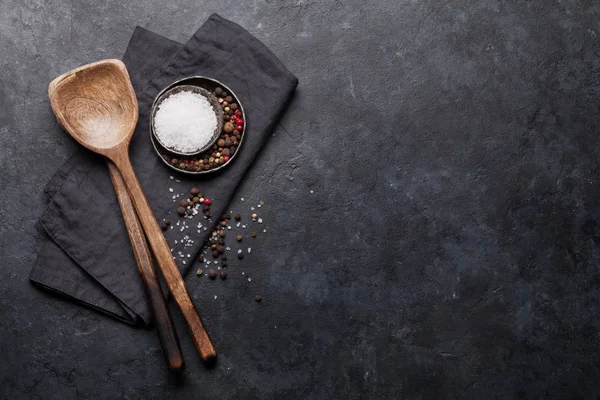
[(207, 201), (239, 127), (238, 112), (225, 158)]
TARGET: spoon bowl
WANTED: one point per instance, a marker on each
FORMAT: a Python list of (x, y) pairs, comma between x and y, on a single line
[(96, 104)]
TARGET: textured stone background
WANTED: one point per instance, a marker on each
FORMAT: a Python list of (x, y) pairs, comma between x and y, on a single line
[(451, 245)]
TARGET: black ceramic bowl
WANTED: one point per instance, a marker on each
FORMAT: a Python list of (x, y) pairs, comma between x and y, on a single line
[(191, 89), (167, 155)]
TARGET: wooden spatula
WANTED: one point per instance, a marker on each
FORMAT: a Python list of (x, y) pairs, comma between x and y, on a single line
[(97, 106)]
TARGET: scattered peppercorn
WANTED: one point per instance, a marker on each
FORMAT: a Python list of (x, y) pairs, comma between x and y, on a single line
[(184, 203), (237, 217), (201, 259), (222, 233), (254, 216), (189, 211), (241, 256), (223, 223), (212, 274), (253, 234), (181, 211), (215, 253), (196, 200), (199, 272), (258, 298), (223, 275), (239, 238)]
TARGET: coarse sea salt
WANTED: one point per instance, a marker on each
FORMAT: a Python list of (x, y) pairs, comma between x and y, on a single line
[(185, 122)]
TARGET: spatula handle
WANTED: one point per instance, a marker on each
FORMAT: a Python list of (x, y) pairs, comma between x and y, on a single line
[(164, 258), (162, 318)]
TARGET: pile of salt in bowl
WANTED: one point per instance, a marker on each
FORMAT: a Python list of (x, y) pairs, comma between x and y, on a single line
[(185, 122), (225, 147)]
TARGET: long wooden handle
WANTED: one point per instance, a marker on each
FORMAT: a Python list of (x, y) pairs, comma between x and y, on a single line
[(162, 318), (164, 258)]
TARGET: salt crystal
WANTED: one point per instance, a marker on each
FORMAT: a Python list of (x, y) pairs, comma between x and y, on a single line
[(215, 296), (238, 225), (244, 226), (175, 241), (251, 208), (185, 122), (228, 227), (249, 249), (312, 191), (171, 177), (171, 190), (260, 220), (183, 262), (228, 248), (249, 279), (242, 199), (240, 250), (188, 256), (243, 273), (258, 205), (264, 230)]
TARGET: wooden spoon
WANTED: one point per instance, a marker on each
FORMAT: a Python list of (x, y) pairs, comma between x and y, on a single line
[(97, 106)]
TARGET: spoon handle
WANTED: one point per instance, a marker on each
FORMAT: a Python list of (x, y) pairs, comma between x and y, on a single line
[(162, 318), (164, 257)]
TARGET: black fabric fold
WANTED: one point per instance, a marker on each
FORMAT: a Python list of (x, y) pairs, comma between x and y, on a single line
[(88, 256)]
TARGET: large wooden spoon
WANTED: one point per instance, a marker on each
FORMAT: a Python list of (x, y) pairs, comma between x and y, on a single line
[(97, 106)]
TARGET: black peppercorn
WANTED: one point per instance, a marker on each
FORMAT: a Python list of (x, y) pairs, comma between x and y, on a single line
[(240, 256), (228, 99), (218, 91), (237, 217), (220, 249), (258, 298), (212, 274), (195, 191), (223, 275), (181, 211), (215, 254)]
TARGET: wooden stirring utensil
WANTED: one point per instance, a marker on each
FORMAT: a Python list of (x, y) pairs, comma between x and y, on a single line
[(167, 334), (97, 106)]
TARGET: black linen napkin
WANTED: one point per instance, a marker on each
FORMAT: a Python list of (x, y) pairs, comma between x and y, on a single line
[(88, 256)]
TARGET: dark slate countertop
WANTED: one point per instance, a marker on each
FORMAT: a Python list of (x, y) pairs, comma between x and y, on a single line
[(431, 196)]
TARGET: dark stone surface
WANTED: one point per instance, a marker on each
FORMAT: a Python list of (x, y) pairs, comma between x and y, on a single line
[(450, 247)]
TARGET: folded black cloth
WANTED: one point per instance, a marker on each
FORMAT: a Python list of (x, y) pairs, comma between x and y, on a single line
[(88, 256)]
